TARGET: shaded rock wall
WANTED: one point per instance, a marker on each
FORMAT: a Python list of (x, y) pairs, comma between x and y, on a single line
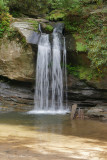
[(16, 95), (85, 94), (21, 95)]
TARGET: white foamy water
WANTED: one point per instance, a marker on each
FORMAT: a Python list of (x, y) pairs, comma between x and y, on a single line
[(42, 74), (52, 112), (49, 76), (57, 79)]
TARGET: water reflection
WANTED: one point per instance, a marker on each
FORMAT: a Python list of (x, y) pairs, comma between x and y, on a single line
[(51, 123), (57, 124)]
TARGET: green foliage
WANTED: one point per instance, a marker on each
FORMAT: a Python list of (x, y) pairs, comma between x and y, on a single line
[(5, 19), (16, 14), (83, 72), (73, 6), (87, 73), (3, 6), (28, 7), (54, 4), (63, 10), (72, 70), (98, 52), (92, 30), (71, 28), (95, 36), (65, 4)]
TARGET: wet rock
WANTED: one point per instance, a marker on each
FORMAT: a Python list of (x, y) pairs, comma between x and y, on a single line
[(98, 111), (94, 111), (83, 94), (70, 43), (16, 95), (59, 27)]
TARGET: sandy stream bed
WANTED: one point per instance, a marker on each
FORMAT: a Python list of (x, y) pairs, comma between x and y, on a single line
[(22, 143)]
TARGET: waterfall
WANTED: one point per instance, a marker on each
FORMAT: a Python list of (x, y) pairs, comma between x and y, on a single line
[(42, 73), (57, 79), (65, 70), (50, 76)]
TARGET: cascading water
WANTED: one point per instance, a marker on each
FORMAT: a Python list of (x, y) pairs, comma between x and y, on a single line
[(42, 74), (57, 79), (49, 75)]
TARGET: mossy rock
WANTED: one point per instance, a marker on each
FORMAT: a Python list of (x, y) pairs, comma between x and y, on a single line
[(47, 27), (28, 28), (80, 43), (56, 15)]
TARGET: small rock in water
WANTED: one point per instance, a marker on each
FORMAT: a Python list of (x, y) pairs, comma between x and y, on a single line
[(73, 111), (98, 111), (94, 110)]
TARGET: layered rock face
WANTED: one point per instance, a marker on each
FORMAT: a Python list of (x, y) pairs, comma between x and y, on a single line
[(21, 95), (84, 94)]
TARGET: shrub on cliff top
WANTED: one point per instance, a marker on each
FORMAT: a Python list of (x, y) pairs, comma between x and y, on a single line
[(5, 17), (3, 6)]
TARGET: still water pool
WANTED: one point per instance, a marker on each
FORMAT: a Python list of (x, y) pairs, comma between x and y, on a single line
[(51, 137)]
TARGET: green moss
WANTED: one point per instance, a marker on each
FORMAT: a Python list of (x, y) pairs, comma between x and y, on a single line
[(80, 47), (23, 40), (80, 43), (87, 73), (49, 28), (56, 15), (35, 24)]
